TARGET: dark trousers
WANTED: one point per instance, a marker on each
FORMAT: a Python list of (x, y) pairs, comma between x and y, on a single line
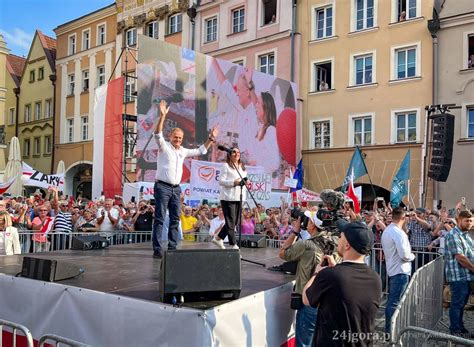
[(166, 198), (232, 211)]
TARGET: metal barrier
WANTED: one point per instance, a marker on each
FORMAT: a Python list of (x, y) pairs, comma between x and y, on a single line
[(59, 339), (420, 305), (15, 327), (427, 335)]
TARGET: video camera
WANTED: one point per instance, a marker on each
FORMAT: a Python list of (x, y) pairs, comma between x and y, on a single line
[(329, 215)]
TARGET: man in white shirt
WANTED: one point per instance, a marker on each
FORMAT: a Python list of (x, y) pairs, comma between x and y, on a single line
[(167, 191), (107, 218), (398, 258)]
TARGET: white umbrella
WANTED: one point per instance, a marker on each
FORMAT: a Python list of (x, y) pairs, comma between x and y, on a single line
[(61, 167), (14, 168)]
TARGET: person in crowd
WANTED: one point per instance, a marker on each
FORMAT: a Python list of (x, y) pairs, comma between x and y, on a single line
[(248, 222), (420, 236), (9, 238), (308, 253), (217, 223), (459, 270), (143, 217), (346, 295), (42, 225), (126, 221), (88, 222), (269, 228), (107, 219), (22, 221), (167, 191), (232, 180), (398, 258), (189, 223), (204, 223), (285, 228), (63, 224)]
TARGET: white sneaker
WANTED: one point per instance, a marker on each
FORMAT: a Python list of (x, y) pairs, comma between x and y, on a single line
[(218, 243), (235, 247)]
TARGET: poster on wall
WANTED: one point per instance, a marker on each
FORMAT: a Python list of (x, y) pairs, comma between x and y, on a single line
[(252, 110)]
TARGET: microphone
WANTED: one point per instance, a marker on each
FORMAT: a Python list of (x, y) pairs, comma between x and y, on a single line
[(176, 97), (224, 148)]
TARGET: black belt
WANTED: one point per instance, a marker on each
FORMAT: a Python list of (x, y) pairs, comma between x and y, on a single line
[(167, 184)]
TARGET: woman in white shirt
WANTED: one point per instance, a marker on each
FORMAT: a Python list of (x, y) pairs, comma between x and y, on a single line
[(231, 186), (9, 238)]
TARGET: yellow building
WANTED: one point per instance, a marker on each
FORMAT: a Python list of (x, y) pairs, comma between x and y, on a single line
[(85, 60), (3, 94), (36, 104), (366, 77)]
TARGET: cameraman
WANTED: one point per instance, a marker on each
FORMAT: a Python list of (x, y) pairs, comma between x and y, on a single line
[(308, 254)]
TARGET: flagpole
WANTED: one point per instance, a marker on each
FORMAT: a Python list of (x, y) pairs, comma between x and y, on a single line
[(409, 194), (370, 180)]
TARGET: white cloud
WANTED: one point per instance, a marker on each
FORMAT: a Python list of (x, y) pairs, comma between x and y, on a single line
[(17, 38)]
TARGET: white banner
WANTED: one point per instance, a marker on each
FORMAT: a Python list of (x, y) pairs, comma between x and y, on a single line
[(146, 189), (35, 178), (204, 183), (308, 195)]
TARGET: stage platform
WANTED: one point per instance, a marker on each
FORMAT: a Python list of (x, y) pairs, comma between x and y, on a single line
[(119, 290)]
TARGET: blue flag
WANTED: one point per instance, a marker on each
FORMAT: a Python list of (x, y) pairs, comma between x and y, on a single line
[(298, 176), (358, 165), (400, 182)]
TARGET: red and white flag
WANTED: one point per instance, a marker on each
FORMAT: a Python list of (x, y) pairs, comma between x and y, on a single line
[(352, 195), (5, 185), (108, 139)]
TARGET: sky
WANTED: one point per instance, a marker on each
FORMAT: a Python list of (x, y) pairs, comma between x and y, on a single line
[(20, 18)]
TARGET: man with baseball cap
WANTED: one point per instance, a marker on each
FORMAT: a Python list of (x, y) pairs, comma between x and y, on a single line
[(308, 253), (348, 294)]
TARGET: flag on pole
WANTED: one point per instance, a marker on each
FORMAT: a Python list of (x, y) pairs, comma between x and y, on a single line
[(352, 195), (356, 168), (400, 181), (299, 174), (108, 139), (5, 185)]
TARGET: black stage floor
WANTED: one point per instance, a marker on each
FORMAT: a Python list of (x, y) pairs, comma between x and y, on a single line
[(130, 270)]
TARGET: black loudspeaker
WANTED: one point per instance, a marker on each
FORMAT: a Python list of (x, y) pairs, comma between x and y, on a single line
[(87, 242), (49, 270), (200, 275), (253, 241), (442, 153)]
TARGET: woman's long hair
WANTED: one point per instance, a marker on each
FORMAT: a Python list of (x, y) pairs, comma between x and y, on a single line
[(228, 160), (269, 112), (8, 219)]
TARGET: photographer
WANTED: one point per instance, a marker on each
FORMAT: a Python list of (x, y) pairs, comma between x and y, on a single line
[(308, 254), (143, 218)]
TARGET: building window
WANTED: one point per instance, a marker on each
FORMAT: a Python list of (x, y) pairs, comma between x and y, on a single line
[(38, 110), (362, 131), (175, 24), (86, 38), (48, 145), (84, 128), (406, 127), (48, 108), (238, 20), (100, 75), (27, 113), (26, 148), (322, 134), (40, 73), (211, 29), (364, 14), (470, 52), (406, 9), (269, 11), (131, 37), (152, 29), (470, 122), (11, 116), (266, 63), (72, 45), (32, 76), (323, 22), (71, 84), (405, 62), (130, 87), (363, 69), (101, 35), (85, 80), (70, 129), (323, 76), (37, 146)]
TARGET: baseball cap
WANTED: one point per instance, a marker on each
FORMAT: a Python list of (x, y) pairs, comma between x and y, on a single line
[(357, 234), (314, 218)]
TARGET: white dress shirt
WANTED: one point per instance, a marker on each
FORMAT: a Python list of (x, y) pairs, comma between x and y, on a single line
[(397, 250), (228, 191), (9, 241), (170, 160)]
